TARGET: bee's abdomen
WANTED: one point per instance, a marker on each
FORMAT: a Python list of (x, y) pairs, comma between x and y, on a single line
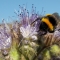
[(52, 20)]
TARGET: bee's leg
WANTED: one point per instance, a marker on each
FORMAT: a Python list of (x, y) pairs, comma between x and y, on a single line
[(42, 32), (45, 32)]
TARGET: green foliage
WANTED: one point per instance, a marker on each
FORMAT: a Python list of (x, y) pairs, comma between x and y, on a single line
[(27, 51), (55, 50), (46, 55), (14, 55)]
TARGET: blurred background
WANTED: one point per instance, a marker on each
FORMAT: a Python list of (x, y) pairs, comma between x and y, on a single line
[(8, 7)]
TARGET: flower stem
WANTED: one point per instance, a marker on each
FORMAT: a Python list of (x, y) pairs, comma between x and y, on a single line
[(40, 49)]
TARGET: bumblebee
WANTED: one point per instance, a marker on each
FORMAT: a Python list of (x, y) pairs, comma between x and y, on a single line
[(48, 23)]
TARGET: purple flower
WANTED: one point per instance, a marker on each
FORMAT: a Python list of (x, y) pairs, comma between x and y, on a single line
[(5, 37), (57, 33), (26, 29), (26, 18), (28, 32), (56, 36)]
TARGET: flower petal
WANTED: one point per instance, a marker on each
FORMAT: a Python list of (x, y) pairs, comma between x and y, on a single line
[(34, 37)]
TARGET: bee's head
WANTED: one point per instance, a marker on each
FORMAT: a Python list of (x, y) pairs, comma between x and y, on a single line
[(43, 27)]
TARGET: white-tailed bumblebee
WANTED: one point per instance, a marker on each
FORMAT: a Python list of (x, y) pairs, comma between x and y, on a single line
[(48, 23)]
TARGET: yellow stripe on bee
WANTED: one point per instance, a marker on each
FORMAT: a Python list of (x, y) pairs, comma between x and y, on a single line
[(48, 23)]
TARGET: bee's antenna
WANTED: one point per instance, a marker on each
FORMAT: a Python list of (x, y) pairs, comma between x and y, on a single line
[(36, 20)]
